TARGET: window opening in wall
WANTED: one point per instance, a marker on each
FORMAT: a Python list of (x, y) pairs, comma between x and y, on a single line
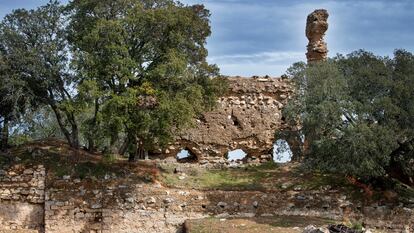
[(186, 156), (236, 155), (281, 152)]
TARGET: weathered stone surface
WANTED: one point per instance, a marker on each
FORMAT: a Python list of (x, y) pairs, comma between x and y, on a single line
[(313, 229), (246, 118), (316, 26), (128, 205), (22, 194)]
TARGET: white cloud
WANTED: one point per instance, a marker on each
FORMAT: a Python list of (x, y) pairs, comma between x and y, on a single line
[(265, 57), (266, 63)]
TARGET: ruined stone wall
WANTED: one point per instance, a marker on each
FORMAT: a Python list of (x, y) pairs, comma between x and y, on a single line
[(127, 205), (117, 206), (246, 118), (316, 26), (131, 204), (22, 192)]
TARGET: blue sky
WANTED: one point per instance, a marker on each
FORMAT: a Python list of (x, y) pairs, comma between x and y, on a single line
[(259, 37)]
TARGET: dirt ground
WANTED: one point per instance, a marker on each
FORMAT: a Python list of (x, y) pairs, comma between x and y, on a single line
[(285, 224)]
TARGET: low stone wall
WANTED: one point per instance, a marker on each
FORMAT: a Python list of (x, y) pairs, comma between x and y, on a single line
[(22, 194), (117, 205), (123, 205), (129, 204)]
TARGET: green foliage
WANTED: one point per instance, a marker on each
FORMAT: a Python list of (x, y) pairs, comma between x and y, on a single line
[(130, 72), (35, 124), (14, 98), (35, 50), (144, 65), (357, 226), (356, 113)]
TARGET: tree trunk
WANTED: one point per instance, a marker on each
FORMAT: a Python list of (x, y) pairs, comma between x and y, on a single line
[(132, 156), (122, 150), (296, 146), (91, 144), (62, 127), (91, 140), (112, 144), (4, 135), (73, 136), (1, 137), (396, 166), (140, 152)]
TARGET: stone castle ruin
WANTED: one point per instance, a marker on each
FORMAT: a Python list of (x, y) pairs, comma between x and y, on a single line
[(35, 200), (246, 118), (249, 115)]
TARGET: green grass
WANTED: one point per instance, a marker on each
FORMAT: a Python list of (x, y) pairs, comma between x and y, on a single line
[(89, 169), (224, 179), (60, 163), (268, 176)]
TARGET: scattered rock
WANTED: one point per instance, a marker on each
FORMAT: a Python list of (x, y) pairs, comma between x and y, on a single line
[(300, 197), (178, 170), (96, 206), (28, 171), (341, 229), (313, 229), (298, 188), (183, 193), (285, 185), (168, 200), (222, 204), (326, 187), (151, 200)]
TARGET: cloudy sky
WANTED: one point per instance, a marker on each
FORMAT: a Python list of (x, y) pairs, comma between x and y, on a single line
[(259, 37)]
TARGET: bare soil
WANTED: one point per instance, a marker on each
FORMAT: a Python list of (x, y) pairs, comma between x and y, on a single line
[(285, 224)]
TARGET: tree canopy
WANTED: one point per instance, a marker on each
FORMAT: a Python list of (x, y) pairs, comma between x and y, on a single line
[(35, 47), (356, 114), (119, 76)]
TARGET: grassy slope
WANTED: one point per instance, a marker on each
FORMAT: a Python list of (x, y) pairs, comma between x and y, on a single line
[(265, 177)]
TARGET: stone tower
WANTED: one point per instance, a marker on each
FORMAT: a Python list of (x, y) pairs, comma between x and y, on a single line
[(316, 26)]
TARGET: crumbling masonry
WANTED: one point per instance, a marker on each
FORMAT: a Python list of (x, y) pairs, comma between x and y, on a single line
[(316, 26), (246, 118), (250, 113)]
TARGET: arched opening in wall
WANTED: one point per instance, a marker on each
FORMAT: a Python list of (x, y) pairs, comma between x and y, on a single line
[(282, 152), (185, 156), (236, 155)]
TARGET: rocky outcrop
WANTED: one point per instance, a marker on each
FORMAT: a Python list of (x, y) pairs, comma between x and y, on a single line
[(316, 26), (246, 118)]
